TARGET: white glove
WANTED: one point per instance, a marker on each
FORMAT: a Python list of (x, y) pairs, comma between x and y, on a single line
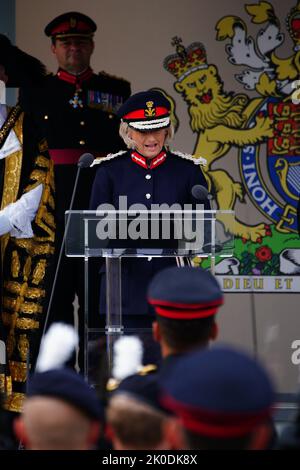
[(16, 218)]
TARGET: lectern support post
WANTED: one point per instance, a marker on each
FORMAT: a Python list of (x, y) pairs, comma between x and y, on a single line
[(113, 328)]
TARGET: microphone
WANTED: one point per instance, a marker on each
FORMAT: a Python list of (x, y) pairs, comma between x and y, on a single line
[(200, 192), (85, 161)]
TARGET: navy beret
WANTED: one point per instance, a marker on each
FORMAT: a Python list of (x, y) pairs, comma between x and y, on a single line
[(143, 388), (221, 392), (68, 386), (71, 23), (147, 110), (21, 68), (185, 293)]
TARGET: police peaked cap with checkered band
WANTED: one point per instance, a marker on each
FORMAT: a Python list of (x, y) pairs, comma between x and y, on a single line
[(183, 293), (222, 392), (69, 386), (69, 24), (146, 110)]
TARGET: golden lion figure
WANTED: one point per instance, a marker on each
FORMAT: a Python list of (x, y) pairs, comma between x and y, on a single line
[(220, 120)]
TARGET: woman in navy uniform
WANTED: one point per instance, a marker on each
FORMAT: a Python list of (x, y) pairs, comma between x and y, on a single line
[(147, 173)]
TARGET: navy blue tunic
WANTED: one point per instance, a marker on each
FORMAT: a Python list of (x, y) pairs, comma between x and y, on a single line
[(170, 182)]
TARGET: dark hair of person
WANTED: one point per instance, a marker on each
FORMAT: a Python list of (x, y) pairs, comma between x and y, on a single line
[(182, 334)]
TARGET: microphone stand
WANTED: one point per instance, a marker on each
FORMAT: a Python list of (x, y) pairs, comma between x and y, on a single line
[(20, 445), (81, 164), (60, 253)]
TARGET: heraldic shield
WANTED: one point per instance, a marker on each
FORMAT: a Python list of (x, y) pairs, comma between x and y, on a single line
[(271, 173)]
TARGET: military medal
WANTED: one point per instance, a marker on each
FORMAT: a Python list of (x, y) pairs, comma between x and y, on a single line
[(77, 80), (76, 102), (105, 101)]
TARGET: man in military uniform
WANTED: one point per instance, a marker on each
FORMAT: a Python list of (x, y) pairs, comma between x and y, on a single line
[(80, 106), (135, 416), (222, 399), (61, 412), (186, 301), (77, 109)]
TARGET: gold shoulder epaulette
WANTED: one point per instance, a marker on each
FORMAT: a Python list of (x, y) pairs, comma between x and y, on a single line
[(110, 156), (187, 156), (112, 384), (145, 370)]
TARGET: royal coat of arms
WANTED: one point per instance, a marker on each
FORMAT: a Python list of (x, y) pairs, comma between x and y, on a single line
[(265, 131)]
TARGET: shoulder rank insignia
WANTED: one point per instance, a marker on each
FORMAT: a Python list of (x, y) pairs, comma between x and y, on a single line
[(187, 156), (113, 383), (148, 369), (110, 156)]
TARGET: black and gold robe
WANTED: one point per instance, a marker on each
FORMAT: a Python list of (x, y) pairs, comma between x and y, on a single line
[(26, 263)]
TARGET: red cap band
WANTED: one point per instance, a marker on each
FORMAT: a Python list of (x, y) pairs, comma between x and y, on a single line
[(179, 311), (140, 114), (81, 27), (216, 423)]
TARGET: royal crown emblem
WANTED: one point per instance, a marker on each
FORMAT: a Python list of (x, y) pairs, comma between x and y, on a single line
[(293, 25), (186, 60), (150, 110)]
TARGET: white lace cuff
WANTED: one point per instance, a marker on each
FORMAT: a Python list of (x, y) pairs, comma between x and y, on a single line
[(17, 217)]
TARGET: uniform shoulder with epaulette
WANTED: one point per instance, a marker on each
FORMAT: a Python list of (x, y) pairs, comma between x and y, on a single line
[(49, 77), (108, 76), (114, 82), (149, 369), (186, 156), (109, 157)]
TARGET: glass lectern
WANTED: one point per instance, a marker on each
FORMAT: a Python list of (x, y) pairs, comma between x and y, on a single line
[(113, 235)]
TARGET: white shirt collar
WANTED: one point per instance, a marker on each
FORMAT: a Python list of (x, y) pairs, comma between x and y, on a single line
[(12, 143)]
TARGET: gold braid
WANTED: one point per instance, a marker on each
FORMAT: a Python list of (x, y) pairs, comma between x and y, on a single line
[(26, 267), (9, 123)]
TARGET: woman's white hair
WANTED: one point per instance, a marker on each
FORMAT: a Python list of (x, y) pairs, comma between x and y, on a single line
[(125, 129)]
